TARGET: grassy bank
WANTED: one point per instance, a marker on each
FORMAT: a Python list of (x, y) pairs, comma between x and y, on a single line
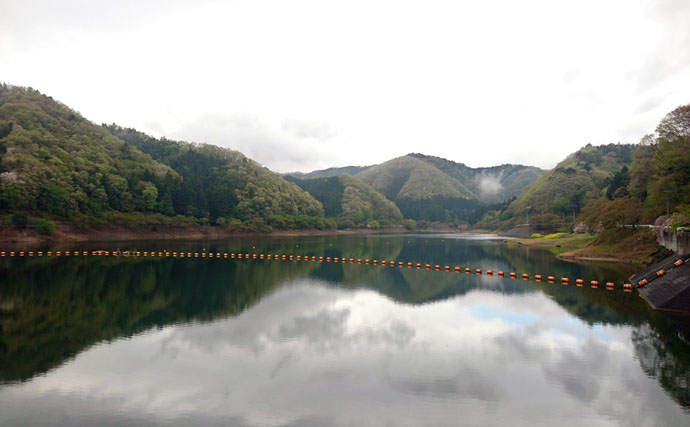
[(616, 245)]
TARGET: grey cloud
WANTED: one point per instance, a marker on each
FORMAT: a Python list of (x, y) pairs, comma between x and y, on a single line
[(470, 383), (278, 149), (324, 330), (304, 129)]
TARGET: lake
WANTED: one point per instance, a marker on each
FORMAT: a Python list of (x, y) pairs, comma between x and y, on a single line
[(101, 340)]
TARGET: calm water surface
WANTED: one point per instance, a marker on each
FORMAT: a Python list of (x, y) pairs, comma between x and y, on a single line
[(124, 341)]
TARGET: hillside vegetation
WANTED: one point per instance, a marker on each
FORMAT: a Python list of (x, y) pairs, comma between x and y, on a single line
[(351, 201), (611, 188), (555, 198), (55, 163), (489, 184)]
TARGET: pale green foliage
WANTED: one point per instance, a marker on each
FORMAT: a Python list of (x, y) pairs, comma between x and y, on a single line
[(363, 204), (412, 178)]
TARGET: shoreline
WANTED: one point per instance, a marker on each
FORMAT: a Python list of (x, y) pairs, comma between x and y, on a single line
[(587, 248), (69, 233)]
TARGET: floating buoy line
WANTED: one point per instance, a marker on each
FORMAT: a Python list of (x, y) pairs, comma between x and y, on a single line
[(565, 281)]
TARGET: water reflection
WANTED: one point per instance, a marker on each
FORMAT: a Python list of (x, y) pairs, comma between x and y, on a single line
[(310, 353), (97, 341)]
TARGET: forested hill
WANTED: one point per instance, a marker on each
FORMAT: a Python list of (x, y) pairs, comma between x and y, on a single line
[(556, 198), (563, 191), (351, 201), (330, 172), (489, 184), (55, 163), (428, 188)]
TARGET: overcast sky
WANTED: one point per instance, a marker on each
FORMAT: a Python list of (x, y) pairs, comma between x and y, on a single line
[(303, 85)]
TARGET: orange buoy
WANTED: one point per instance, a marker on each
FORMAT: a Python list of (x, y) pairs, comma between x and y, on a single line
[(328, 259), (610, 286), (359, 260), (489, 272), (21, 253), (225, 255), (551, 279), (594, 284), (391, 263), (320, 258), (418, 265), (447, 268), (501, 274), (313, 258), (2, 253), (196, 254), (513, 275), (579, 282), (203, 255), (401, 264), (352, 260), (437, 267), (525, 276), (31, 253), (468, 270), (366, 261), (458, 269), (40, 253), (478, 271), (410, 265), (57, 253), (292, 257), (384, 262), (428, 266), (49, 253), (335, 259), (537, 277), (627, 287), (565, 281), (284, 257)]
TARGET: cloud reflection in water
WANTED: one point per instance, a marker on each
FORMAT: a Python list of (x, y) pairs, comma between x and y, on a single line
[(311, 354)]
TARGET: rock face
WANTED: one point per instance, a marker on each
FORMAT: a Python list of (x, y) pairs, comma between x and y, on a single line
[(581, 228)]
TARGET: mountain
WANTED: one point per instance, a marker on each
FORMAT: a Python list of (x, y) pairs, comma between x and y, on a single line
[(408, 177), (225, 186), (489, 184), (54, 162), (351, 201), (566, 189), (326, 173)]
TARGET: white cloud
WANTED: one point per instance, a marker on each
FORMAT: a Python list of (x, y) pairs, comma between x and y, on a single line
[(476, 82)]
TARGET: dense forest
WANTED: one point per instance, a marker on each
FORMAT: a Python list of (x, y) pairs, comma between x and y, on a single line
[(351, 202), (430, 189), (603, 187), (56, 164)]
